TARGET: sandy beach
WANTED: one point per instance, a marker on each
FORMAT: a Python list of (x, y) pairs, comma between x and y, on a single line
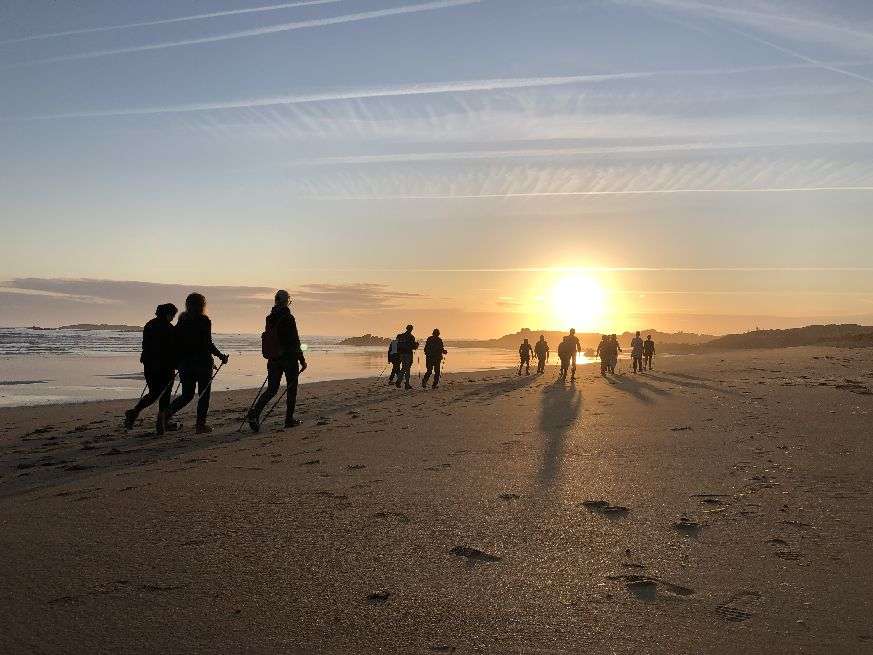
[(719, 504)]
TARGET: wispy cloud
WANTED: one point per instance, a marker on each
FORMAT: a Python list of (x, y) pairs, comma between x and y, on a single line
[(258, 31), (165, 21), (420, 89)]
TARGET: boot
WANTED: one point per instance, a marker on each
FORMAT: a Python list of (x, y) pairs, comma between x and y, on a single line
[(161, 424), (202, 428), (130, 418), (292, 422), (254, 423)]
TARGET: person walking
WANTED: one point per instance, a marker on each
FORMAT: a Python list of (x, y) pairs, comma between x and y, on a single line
[(575, 347), (565, 353), (406, 346), (603, 351), (280, 345), (614, 349), (541, 350), (637, 353), (195, 350), (434, 349), (394, 360), (648, 352), (158, 360), (524, 353)]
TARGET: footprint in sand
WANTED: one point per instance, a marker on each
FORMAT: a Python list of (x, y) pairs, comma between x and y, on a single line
[(687, 527), (646, 588), (603, 507), (474, 555), (379, 597), (509, 496), (740, 607)]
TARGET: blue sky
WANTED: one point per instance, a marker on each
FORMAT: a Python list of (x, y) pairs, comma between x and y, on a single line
[(410, 145)]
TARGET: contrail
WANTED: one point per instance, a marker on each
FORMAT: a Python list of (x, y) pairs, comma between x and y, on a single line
[(550, 152), (802, 57), (258, 31), (464, 86), (541, 194), (165, 21)]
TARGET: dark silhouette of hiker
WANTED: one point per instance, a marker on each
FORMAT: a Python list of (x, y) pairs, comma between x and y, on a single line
[(281, 347), (434, 349), (195, 350), (565, 353), (524, 352), (158, 360), (541, 350), (406, 346), (648, 352), (394, 360), (603, 352), (637, 353), (614, 349), (575, 347)]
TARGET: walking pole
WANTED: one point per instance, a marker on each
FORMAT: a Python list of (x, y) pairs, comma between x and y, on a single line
[(208, 385), (278, 400), (246, 417), (144, 387)]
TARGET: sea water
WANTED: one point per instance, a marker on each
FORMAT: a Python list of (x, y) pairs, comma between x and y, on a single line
[(62, 366)]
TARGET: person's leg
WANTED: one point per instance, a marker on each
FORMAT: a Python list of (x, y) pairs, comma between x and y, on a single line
[(428, 370), (520, 364), (405, 371), (274, 379), (189, 380), (436, 372), (166, 391), (395, 370), (292, 377), (147, 399), (204, 388)]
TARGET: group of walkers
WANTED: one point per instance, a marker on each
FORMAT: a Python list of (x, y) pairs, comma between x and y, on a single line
[(642, 353), (401, 353), (187, 348)]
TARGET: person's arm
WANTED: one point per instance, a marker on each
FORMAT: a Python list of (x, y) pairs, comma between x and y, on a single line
[(212, 348), (294, 342)]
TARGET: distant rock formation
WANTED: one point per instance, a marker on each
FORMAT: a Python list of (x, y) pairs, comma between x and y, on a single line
[(365, 340), (93, 327)]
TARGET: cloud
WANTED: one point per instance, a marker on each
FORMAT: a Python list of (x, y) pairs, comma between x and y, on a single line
[(258, 31), (165, 21), (56, 301), (422, 89)]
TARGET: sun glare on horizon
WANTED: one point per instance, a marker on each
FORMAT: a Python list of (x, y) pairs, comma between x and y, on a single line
[(578, 301)]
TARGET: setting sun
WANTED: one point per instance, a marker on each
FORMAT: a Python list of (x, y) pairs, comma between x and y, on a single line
[(578, 301)]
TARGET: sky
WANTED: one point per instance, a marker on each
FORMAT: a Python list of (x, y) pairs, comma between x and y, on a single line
[(474, 165)]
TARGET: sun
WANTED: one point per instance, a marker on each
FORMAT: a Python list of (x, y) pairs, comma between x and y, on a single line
[(578, 301)]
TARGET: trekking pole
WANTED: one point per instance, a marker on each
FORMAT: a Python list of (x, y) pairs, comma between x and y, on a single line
[(251, 407), (144, 387), (278, 400), (205, 389)]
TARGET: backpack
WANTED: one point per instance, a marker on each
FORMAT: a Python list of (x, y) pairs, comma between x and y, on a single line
[(271, 347)]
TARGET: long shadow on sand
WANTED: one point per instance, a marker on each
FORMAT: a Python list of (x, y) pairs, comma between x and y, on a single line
[(690, 382), (636, 387), (561, 405)]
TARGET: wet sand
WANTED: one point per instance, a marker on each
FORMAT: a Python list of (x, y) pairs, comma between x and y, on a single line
[(720, 504)]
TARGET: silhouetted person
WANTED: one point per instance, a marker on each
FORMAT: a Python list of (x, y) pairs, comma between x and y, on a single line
[(637, 353), (648, 352), (612, 351), (524, 353), (394, 360), (159, 367), (284, 357), (603, 351), (565, 353), (541, 350), (406, 346), (576, 348), (195, 350), (434, 349)]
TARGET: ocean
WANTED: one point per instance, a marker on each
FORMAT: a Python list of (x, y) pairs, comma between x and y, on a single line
[(62, 366)]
